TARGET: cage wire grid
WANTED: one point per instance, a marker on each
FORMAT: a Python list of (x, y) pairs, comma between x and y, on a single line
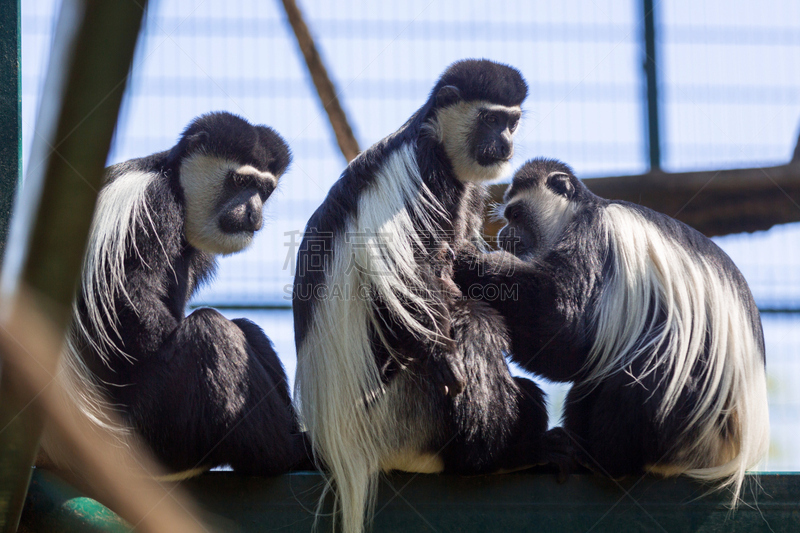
[(729, 86)]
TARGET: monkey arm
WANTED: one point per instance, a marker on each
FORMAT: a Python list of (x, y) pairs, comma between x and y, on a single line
[(437, 356), (502, 279), (548, 335), (144, 319)]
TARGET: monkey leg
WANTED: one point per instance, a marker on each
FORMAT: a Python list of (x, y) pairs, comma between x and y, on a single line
[(609, 428), (531, 443), (498, 422), (217, 394)]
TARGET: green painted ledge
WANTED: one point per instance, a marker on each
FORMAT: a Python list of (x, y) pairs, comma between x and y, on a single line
[(406, 503)]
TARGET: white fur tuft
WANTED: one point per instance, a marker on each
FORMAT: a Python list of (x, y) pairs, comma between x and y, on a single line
[(121, 208), (728, 431), (342, 401)]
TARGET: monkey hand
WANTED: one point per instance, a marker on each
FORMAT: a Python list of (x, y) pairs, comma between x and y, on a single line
[(466, 248), (447, 370), (467, 267), (442, 263)]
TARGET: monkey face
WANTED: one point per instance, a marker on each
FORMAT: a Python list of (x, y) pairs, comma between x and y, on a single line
[(493, 135), (478, 136), (245, 191), (224, 202), (521, 233), (538, 206)]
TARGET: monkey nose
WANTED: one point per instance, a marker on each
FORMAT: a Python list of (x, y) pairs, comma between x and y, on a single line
[(505, 151), (507, 239), (253, 217)]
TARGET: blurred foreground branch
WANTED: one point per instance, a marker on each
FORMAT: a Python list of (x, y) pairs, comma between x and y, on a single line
[(29, 346)]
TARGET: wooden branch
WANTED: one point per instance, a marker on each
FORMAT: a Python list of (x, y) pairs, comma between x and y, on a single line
[(713, 202), (325, 88)]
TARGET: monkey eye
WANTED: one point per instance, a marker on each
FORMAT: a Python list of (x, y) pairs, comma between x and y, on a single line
[(512, 125), (242, 180), (491, 119), (512, 213)]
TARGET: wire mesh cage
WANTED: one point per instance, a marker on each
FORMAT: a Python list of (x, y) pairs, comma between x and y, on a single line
[(729, 96)]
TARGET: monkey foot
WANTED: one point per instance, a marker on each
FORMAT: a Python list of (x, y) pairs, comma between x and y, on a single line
[(559, 449)]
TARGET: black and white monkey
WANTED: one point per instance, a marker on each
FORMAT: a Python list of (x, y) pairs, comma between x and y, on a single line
[(201, 390), (395, 371), (652, 322)]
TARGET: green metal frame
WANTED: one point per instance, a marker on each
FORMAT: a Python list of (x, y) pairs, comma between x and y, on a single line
[(53, 505), (651, 81), (10, 114)]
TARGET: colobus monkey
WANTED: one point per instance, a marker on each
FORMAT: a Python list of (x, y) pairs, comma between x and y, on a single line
[(202, 390), (652, 322), (395, 372)]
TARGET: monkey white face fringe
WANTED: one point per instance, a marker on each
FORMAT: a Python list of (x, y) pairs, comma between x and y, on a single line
[(703, 310), (552, 212), (457, 122), (355, 439), (201, 177)]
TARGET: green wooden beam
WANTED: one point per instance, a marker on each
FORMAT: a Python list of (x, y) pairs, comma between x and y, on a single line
[(10, 133), (515, 502)]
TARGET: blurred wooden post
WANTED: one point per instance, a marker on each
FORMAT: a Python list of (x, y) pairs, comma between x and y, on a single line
[(10, 133), (90, 59)]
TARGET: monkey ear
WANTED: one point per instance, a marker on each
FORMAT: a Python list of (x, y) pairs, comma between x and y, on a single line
[(560, 183), (195, 140), (186, 146), (447, 95)]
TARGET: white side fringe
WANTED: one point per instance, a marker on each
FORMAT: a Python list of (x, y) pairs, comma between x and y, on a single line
[(702, 309), (121, 207), (342, 401)]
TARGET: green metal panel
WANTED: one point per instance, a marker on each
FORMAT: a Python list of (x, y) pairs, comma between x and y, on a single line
[(509, 503), (10, 132)]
